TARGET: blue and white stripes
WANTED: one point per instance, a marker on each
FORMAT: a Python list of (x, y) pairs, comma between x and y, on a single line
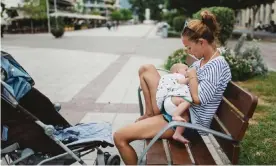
[(213, 78)]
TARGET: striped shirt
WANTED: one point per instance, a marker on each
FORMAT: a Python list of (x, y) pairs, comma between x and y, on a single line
[(213, 78)]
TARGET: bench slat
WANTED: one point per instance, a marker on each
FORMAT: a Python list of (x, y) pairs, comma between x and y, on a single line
[(179, 153), (244, 101), (156, 154), (200, 152), (230, 149), (231, 120)]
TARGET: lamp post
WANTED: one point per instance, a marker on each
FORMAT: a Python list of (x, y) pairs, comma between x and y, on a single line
[(48, 16), (55, 4)]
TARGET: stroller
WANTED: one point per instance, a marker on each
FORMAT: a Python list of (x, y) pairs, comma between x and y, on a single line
[(34, 133)]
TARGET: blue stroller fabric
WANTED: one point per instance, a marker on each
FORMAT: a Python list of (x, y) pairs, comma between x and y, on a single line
[(15, 79), (86, 133)]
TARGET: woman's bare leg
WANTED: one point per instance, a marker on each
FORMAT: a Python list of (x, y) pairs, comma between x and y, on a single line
[(144, 129), (149, 79)]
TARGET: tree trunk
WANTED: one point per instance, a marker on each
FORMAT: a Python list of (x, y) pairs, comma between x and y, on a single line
[(32, 27), (255, 10)]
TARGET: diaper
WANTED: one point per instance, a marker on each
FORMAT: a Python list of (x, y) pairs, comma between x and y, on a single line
[(169, 106)]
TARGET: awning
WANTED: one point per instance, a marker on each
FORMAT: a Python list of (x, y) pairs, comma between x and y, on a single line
[(62, 2), (76, 15)]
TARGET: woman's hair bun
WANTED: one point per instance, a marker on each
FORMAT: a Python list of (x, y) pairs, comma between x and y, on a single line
[(209, 19)]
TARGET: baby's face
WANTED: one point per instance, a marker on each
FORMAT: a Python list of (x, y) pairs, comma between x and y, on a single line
[(182, 70)]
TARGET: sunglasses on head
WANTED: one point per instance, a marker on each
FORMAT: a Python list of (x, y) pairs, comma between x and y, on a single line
[(188, 31)]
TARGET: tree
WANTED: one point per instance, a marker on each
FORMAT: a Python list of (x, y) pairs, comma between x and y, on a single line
[(126, 14), (189, 7), (35, 10), (116, 15), (95, 12), (139, 7)]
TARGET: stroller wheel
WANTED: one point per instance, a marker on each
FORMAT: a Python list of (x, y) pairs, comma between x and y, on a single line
[(113, 160)]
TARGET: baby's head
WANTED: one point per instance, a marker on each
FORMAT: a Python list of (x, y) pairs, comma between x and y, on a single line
[(179, 68)]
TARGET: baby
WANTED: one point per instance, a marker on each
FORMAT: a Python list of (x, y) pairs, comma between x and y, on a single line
[(175, 85)]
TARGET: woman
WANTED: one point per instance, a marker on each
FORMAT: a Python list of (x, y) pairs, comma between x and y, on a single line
[(208, 79)]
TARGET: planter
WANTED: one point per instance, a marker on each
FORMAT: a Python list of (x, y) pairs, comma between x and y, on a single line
[(57, 32)]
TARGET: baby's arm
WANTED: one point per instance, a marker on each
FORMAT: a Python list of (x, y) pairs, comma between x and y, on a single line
[(183, 81)]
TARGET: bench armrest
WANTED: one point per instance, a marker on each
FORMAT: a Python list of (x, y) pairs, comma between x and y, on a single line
[(186, 125)]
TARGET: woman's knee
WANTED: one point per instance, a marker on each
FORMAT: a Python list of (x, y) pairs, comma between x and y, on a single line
[(120, 139), (145, 68)]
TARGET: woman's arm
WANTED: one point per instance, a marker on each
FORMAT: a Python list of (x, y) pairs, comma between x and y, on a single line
[(193, 82)]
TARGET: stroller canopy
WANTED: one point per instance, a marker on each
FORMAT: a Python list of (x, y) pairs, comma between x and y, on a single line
[(14, 78)]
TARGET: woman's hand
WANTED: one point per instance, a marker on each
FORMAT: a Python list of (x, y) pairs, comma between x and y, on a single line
[(193, 82), (191, 73)]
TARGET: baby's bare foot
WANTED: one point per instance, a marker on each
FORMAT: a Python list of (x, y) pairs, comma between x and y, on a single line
[(178, 118), (180, 138)]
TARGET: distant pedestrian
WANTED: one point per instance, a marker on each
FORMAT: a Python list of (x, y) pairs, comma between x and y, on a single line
[(108, 25), (117, 24), (249, 22), (114, 25)]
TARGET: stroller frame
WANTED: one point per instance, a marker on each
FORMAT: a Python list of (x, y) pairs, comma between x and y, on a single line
[(67, 153), (49, 131)]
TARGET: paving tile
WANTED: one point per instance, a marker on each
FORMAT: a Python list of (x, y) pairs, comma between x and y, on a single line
[(123, 88), (98, 117), (61, 73)]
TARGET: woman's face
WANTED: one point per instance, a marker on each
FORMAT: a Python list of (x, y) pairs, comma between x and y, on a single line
[(193, 48)]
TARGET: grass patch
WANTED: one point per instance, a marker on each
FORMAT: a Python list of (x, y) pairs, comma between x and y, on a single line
[(263, 86), (259, 145)]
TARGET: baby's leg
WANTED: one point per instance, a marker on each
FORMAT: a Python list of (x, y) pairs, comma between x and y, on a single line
[(180, 130), (180, 115), (182, 106)]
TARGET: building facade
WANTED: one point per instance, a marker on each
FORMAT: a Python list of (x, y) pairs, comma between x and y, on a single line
[(104, 7), (265, 14)]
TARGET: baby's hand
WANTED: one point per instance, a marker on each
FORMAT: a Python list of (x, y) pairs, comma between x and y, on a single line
[(182, 81)]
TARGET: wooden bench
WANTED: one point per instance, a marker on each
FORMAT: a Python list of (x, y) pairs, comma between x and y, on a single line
[(232, 117)]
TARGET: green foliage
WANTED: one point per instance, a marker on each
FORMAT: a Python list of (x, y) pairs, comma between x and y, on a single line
[(95, 12), (57, 23), (177, 56), (126, 14), (263, 124), (79, 6), (116, 15), (226, 19), (245, 62), (240, 68), (178, 23), (139, 6), (168, 16), (174, 34), (191, 6), (121, 15), (35, 10), (253, 55)]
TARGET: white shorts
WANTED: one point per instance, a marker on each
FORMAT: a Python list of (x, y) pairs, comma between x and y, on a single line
[(169, 106)]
